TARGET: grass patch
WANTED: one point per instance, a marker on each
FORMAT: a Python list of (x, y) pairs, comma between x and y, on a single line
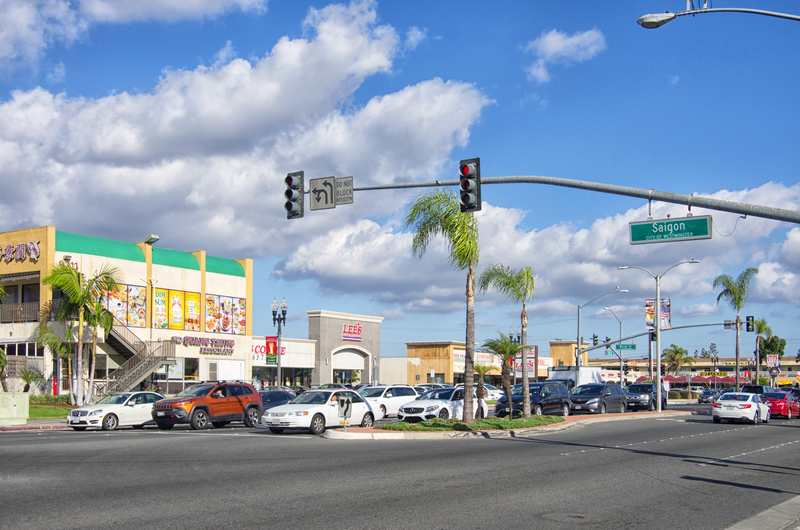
[(487, 424), (48, 412)]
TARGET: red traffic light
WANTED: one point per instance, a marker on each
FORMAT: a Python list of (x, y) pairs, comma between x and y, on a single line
[(467, 170), (292, 181)]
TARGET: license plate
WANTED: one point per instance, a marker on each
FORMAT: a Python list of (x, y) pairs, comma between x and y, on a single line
[(577, 407), (160, 413)]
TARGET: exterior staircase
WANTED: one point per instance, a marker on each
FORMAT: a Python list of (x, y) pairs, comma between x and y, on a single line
[(144, 358)]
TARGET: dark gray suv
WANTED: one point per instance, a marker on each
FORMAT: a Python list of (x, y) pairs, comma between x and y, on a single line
[(546, 398), (598, 397), (642, 396)]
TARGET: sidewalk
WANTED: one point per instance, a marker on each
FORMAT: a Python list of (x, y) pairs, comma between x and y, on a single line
[(57, 424)]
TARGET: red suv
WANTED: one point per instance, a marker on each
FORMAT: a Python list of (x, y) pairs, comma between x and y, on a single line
[(210, 402)]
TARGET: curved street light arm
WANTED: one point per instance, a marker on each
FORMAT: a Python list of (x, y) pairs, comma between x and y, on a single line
[(656, 20)]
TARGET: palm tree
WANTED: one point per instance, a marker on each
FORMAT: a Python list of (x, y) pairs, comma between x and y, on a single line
[(676, 358), (98, 317), (735, 292), (62, 350), (482, 370), (518, 286), (30, 376), (439, 213), (506, 349), (763, 331), (3, 363), (82, 292)]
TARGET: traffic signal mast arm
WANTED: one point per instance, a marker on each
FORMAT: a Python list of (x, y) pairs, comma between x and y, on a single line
[(755, 210)]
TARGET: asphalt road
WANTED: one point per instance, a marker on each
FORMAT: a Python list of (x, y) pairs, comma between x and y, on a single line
[(649, 473)]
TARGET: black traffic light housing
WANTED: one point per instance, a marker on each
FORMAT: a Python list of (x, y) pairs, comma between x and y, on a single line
[(294, 195), (608, 339), (595, 340), (626, 369), (751, 324), (469, 175)]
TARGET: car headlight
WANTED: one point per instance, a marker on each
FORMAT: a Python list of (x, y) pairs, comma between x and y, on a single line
[(594, 400), (181, 403), (298, 413), (95, 412), (645, 398), (431, 408)]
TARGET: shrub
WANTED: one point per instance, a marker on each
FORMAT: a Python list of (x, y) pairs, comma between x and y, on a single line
[(44, 400), (678, 394)]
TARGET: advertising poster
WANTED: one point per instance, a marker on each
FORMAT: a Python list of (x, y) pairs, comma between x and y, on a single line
[(239, 316), (192, 321), (176, 370), (117, 304), (272, 351), (650, 313), (176, 299), (212, 309), (137, 298), (225, 323), (160, 309)]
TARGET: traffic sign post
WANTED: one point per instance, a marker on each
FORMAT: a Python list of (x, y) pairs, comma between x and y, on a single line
[(345, 409), (663, 230)]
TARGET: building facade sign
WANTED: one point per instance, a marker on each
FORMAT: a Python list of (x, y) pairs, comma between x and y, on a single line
[(352, 333)]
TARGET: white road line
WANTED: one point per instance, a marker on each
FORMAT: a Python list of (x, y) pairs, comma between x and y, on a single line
[(779, 446)]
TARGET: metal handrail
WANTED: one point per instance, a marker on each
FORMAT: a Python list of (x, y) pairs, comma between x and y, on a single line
[(23, 312), (130, 339), (154, 352)]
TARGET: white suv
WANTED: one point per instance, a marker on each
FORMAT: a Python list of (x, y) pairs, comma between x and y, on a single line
[(388, 398)]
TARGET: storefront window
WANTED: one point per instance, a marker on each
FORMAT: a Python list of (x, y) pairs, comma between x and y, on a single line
[(296, 376), (346, 376)]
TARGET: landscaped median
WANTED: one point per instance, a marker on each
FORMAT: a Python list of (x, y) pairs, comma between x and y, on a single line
[(488, 428)]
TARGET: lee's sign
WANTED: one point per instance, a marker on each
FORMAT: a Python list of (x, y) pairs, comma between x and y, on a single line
[(20, 251), (352, 332)]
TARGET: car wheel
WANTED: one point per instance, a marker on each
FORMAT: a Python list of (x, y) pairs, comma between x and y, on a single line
[(79, 428), (624, 408), (276, 430), (444, 414), (652, 406), (165, 426), (317, 424), (219, 424), (565, 410), (717, 419), (789, 416), (383, 410), (755, 419), (199, 420), (602, 409), (252, 416), (479, 413), (769, 417), (537, 410), (367, 420), (110, 422)]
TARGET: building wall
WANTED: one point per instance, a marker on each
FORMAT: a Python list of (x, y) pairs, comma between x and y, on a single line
[(342, 338), (393, 371), (563, 351), (436, 356)]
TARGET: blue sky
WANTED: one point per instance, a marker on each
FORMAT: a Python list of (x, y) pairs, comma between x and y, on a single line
[(181, 118)]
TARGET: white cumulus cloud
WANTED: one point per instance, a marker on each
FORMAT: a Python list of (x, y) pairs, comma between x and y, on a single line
[(556, 47)]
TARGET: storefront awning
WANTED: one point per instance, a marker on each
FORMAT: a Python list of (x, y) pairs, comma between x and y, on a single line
[(19, 276)]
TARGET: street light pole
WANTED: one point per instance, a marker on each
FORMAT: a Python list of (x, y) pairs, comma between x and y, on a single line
[(658, 320), (518, 340), (657, 20), (277, 319), (578, 345), (621, 364)]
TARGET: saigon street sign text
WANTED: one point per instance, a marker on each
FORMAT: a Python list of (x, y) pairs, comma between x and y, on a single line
[(677, 229)]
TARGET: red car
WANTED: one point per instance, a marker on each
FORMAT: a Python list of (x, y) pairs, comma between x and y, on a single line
[(782, 403)]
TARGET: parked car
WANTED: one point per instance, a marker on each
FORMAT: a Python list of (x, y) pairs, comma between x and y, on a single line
[(317, 410), (273, 398), (213, 403), (117, 410), (332, 385), (756, 389), (546, 398), (388, 398), (598, 397), (782, 403), (441, 403), (740, 406), (708, 396), (643, 396), (491, 393)]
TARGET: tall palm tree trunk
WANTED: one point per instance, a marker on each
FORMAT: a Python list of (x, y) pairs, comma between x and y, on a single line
[(90, 393), (469, 350), (526, 391), (738, 325), (79, 361)]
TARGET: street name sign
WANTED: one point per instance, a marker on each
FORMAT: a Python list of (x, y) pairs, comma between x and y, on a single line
[(610, 352), (677, 229), (626, 346)]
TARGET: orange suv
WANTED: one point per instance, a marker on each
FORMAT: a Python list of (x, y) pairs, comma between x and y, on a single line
[(210, 402)]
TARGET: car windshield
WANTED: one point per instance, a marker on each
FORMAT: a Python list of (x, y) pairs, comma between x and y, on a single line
[(708, 391), (734, 397), (372, 392), (516, 390), (196, 390), (311, 398), (115, 399), (640, 389), (590, 390), (439, 393), (774, 395)]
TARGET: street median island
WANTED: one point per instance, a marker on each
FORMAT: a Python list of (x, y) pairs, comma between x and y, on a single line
[(487, 424)]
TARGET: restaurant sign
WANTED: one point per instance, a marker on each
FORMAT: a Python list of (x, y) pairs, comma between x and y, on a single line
[(22, 250), (208, 346), (352, 333)]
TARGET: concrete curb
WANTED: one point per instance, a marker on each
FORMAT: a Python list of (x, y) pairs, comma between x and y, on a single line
[(779, 517), (34, 427), (573, 421)]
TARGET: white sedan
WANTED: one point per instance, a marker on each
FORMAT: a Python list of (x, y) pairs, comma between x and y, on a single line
[(317, 410), (441, 403), (491, 392), (388, 398), (740, 406), (116, 410)]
